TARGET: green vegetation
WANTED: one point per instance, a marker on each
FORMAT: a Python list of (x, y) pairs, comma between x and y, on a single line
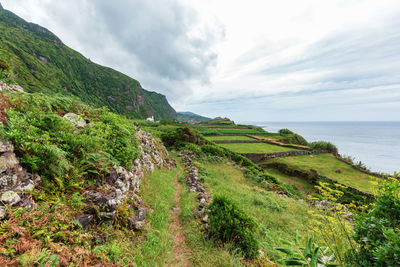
[(310, 255), (229, 224), (328, 165), (255, 148), (238, 137), (300, 183), (190, 117), (38, 61), (62, 154), (221, 131), (378, 231), (321, 145), (155, 250), (278, 218), (204, 252)]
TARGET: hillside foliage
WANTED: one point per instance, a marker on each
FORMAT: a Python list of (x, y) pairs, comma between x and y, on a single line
[(39, 62)]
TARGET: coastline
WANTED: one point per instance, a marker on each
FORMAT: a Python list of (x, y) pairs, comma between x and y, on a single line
[(375, 144)]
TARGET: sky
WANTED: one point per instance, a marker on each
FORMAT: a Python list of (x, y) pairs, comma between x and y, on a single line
[(253, 60)]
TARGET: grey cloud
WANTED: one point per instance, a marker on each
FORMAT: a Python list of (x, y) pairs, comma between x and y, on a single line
[(151, 41), (356, 58), (157, 33)]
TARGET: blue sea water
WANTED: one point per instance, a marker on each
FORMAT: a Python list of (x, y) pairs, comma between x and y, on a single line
[(376, 144)]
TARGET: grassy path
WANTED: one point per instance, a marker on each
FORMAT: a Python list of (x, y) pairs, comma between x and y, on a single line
[(180, 250)]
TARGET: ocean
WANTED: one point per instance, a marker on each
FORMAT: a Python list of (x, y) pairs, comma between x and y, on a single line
[(376, 144)]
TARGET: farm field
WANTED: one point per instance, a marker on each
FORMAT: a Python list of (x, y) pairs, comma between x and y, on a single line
[(328, 165), (255, 148), (227, 137), (278, 218)]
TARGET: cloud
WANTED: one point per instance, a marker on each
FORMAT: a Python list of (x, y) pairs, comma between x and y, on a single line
[(163, 44), (260, 59)]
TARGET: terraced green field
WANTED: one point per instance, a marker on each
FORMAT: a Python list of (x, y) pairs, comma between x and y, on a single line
[(328, 165), (301, 184), (255, 148), (222, 137), (214, 131)]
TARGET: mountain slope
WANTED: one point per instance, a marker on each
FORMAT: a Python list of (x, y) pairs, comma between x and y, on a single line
[(40, 62), (190, 117)]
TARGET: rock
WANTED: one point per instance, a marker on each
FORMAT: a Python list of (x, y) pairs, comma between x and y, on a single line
[(10, 197), (176, 210), (85, 220), (261, 254), (205, 218), (7, 161), (76, 120), (6, 147), (27, 186), (2, 212), (139, 225)]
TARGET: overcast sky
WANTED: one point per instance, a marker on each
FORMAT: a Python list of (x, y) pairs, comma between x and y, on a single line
[(264, 60)]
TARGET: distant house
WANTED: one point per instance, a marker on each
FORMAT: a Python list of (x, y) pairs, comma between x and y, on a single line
[(150, 119)]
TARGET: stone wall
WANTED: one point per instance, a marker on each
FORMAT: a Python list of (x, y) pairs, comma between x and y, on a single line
[(236, 141), (256, 157), (101, 200), (379, 175)]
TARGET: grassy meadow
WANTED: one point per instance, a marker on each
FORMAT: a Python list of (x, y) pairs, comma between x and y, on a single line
[(228, 137), (328, 165), (255, 148), (278, 218)]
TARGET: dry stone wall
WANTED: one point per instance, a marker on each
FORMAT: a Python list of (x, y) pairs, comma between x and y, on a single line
[(256, 157), (194, 184)]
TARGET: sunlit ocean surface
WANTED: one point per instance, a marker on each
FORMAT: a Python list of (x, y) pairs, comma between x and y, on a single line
[(376, 144)]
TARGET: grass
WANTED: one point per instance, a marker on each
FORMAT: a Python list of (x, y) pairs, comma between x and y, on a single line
[(278, 218), (203, 252), (214, 131), (255, 148), (301, 184), (327, 165), (238, 137), (158, 193)]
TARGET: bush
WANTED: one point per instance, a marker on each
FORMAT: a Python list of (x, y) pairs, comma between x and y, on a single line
[(378, 231), (176, 137), (51, 146), (229, 224), (322, 145), (285, 131), (213, 150)]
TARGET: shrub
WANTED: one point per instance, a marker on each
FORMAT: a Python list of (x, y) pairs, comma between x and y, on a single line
[(285, 131), (176, 137), (322, 145), (378, 231), (51, 146), (229, 224), (213, 150)]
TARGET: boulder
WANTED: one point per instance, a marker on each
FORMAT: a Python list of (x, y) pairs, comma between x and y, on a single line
[(6, 147), (85, 220), (10, 197), (7, 161), (2, 212), (76, 120)]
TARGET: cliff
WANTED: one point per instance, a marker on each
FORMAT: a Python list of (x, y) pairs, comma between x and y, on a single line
[(40, 62)]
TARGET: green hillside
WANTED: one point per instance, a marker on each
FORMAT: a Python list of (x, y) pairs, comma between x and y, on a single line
[(190, 117), (40, 62)]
